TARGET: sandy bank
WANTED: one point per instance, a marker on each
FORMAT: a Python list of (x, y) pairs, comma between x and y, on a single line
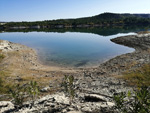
[(21, 63)]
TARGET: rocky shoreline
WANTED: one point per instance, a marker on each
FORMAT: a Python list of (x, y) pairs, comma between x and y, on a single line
[(95, 87)]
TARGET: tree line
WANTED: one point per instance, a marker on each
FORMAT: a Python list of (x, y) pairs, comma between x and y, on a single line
[(105, 19)]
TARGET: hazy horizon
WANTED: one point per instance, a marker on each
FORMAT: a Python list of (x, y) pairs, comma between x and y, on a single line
[(75, 18), (40, 10)]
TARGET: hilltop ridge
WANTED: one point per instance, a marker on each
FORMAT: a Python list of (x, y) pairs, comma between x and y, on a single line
[(101, 20), (121, 15)]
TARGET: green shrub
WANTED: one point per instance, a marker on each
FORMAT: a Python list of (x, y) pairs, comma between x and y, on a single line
[(18, 95), (119, 100), (136, 102), (139, 100), (33, 90), (69, 87)]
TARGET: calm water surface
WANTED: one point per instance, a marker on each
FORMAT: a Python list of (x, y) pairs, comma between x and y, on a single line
[(70, 48)]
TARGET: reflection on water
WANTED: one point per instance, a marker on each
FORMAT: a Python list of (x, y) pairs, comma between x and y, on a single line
[(72, 47), (103, 31)]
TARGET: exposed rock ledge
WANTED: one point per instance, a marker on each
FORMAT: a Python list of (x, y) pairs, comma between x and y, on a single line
[(60, 103), (96, 86)]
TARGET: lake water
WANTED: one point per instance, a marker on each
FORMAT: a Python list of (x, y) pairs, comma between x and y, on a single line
[(69, 49)]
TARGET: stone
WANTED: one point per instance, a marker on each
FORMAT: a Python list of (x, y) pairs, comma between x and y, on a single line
[(94, 98), (46, 89), (6, 105), (110, 104), (86, 109), (74, 112), (141, 60)]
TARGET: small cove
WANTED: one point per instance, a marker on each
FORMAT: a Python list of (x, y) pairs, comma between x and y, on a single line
[(69, 49)]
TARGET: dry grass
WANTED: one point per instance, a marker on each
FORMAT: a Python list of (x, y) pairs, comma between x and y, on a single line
[(1, 41), (2, 56), (43, 81), (143, 32), (140, 76), (13, 53), (5, 84), (3, 76), (130, 65), (18, 64)]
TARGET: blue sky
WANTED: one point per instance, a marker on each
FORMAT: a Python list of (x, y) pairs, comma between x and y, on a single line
[(36, 10)]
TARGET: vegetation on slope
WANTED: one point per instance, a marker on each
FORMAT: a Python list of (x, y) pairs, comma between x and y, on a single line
[(140, 76), (137, 101), (3, 74), (105, 19)]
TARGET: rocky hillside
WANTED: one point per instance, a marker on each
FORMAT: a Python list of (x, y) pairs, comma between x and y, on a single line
[(94, 87)]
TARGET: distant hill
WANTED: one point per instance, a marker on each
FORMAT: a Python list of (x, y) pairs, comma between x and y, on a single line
[(104, 19), (142, 15), (119, 16)]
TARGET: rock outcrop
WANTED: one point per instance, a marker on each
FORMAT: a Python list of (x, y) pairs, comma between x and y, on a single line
[(59, 103)]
